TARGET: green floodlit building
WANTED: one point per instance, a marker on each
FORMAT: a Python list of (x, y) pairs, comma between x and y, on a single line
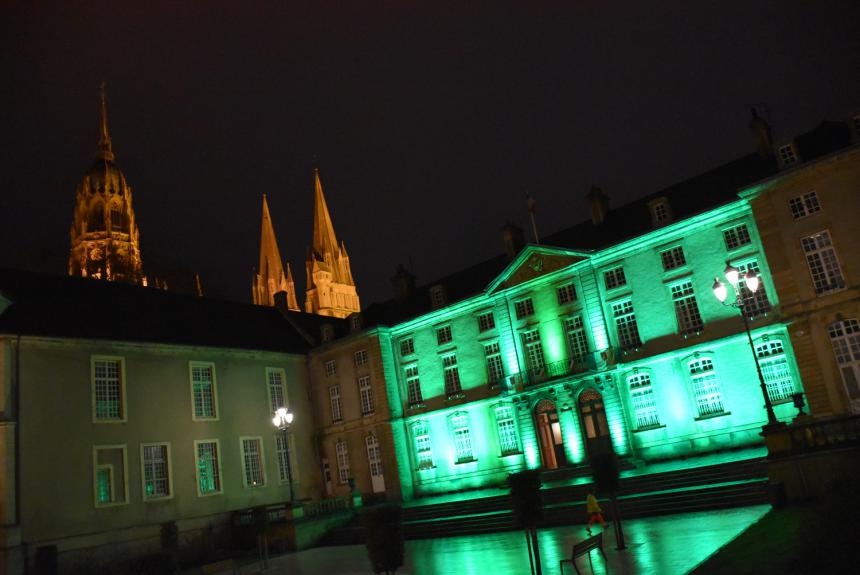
[(606, 336)]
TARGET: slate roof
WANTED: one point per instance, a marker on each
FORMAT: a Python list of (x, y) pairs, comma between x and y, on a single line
[(68, 307)]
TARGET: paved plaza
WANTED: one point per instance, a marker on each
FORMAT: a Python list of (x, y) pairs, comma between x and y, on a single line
[(667, 545)]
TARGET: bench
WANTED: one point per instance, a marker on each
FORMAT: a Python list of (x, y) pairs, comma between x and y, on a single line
[(582, 548)]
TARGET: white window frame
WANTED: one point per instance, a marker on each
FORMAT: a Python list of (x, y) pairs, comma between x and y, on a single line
[(524, 308), (437, 296), (576, 338), (414, 395), (826, 260), (360, 357), (243, 455), (787, 155), (270, 387), (96, 466), (335, 403), (493, 355), (451, 373), (365, 395), (624, 315), (566, 294), (533, 350), (444, 335), (407, 346), (123, 413), (845, 341), (169, 464), (701, 394), (687, 313), (423, 445), (330, 368), (486, 322), (283, 476), (673, 258), (804, 205), (218, 470), (773, 361), (343, 466), (374, 454), (461, 437), (215, 409), (660, 212), (642, 401), (737, 236), (509, 422), (614, 276)]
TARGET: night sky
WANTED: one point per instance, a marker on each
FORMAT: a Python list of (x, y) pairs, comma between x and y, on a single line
[(429, 124)]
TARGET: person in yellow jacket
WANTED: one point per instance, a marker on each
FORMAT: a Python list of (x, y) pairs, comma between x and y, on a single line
[(595, 513)]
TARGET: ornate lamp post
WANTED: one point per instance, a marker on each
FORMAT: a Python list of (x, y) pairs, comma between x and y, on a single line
[(752, 282), (282, 420)]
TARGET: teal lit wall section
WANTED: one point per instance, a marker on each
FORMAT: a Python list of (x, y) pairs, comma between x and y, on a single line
[(572, 433)]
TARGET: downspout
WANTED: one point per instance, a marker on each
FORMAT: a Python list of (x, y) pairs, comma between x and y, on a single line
[(16, 406)]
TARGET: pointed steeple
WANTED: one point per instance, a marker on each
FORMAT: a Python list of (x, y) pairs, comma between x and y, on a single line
[(325, 241), (271, 277), (105, 148)]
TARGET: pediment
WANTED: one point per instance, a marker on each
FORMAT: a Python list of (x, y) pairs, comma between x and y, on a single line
[(534, 262)]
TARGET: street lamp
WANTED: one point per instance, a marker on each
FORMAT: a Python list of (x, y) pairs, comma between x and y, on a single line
[(282, 420), (721, 291)]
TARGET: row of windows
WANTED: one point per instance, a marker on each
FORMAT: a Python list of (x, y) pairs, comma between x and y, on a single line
[(110, 468), (109, 390), (365, 395), (374, 458), (705, 385), (359, 359), (460, 431)]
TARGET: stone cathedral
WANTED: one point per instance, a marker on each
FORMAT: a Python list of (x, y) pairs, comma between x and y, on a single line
[(104, 236), (330, 289)]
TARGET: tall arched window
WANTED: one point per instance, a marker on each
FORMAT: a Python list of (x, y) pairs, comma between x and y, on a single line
[(374, 458), (775, 369), (706, 387), (845, 337), (423, 448), (642, 400), (462, 435), (507, 429), (342, 461)]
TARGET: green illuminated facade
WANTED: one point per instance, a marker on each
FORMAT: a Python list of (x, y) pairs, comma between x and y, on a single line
[(572, 352)]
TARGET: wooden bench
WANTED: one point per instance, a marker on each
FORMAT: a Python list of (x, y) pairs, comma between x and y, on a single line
[(582, 548)]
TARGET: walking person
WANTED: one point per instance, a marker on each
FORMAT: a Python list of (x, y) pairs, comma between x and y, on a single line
[(595, 513)]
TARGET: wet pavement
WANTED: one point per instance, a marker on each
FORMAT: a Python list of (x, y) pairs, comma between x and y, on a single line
[(666, 545)]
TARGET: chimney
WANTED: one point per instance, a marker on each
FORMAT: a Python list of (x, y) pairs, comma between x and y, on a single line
[(512, 236), (599, 204), (763, 135), (403, 283)]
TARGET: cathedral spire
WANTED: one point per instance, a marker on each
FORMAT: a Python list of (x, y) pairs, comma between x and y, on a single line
[(271, 277), (325, 241), (105, 148)]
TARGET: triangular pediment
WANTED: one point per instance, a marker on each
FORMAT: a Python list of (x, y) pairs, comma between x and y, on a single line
[(534, 262)]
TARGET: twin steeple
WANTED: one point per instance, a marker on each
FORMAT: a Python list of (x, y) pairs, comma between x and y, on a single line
[(330, 287)]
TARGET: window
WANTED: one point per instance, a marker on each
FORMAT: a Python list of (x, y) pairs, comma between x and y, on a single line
[(330, 368), (495, 371), (277, 389), (706, 387), (625, 323), (116, 217), (775, 369), (327, 332), (755, 304), (287, 469), (108, 389), (642, 400), (109, 475), (577, 344), (614, 278), (155, 460), (423, 447), (413, 385), (803, 205), (673, 258), (462, 437), (443, 335), (736, 237), (507, 429), (360, 357), (787, 155), (407, 346), (203, 390), (334, 399), (355, 321), (437, 296), (452, 375), (660, 212), (342, 461), (686, 308), (374, 457), (486, 322), (208, 467), (845, 338), (365, 392), (534, 351), (566, 294), (823, 263), (252, 461), (524, 308)]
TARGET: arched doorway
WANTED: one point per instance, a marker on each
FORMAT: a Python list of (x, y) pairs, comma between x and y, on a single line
[(549, 435), (595, 427)]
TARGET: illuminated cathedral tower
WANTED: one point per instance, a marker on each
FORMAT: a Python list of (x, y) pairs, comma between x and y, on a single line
[(105, 242), (270, 277), (330, 288)]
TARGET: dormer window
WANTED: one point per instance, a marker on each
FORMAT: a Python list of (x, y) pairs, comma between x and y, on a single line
[(355, 321), (327, 332), (660, 213), (787, 155), (437, 296)]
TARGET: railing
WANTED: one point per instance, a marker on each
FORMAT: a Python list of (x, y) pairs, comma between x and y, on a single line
[(326, 506), (591, 361), (817, 435), (282, 512)]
